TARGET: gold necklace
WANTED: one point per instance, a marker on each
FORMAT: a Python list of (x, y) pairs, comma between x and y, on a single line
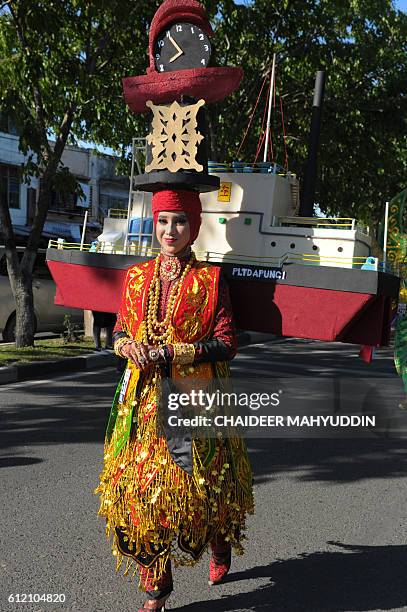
[(154, 331)]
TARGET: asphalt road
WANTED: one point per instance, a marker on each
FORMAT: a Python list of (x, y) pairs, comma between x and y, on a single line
[(329, 531)]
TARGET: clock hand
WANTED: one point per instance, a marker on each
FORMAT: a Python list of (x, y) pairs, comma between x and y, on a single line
[(178, 48)]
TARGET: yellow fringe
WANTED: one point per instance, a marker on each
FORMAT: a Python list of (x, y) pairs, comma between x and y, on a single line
[(153, 501)]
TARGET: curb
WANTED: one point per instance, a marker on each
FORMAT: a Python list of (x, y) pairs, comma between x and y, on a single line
[(29, 371), (92, 361)]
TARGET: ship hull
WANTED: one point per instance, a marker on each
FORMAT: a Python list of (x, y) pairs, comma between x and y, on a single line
[(315, 302)]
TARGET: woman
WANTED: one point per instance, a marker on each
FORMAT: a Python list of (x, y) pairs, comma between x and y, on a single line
[(169, 498)]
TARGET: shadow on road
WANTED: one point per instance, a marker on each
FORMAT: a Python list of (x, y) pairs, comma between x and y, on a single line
[(303, 357), (329, 460), (74, 413), (12, 461), (78, 413), (352, 578)]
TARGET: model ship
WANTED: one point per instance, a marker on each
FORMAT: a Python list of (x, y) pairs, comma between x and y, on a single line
[(290, 275)]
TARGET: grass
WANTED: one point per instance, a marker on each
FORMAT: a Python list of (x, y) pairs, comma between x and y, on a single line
[(44, 350)]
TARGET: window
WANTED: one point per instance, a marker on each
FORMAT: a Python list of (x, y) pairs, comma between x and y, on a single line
[(7, 126), (71, 202), (10, 185), (107, 201), (41, 269)]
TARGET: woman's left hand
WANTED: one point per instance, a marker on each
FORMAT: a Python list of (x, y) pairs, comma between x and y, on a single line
[(148, 355), (156, 355)]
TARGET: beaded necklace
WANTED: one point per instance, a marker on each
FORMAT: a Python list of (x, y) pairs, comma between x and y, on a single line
[(155, 331)]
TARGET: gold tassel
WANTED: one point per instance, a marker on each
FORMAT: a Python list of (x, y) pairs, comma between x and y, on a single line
[(152, 500)]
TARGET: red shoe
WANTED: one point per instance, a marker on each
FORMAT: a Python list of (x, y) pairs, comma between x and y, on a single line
[(165, 586), (160, 607), (219, 566)]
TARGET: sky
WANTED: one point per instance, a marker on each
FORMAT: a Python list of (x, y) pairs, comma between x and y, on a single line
[(400, 4)]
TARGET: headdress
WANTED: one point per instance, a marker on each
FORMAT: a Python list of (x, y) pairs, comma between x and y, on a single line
[(171, 200)]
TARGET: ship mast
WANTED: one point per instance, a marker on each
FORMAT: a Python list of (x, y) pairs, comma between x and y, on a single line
[(271, 97)]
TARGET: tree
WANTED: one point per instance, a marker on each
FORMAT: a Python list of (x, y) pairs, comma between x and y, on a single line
[(362, 46), (60, 79)]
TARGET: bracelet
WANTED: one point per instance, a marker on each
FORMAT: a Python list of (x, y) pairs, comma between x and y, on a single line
[(183, 353), (118, 345)]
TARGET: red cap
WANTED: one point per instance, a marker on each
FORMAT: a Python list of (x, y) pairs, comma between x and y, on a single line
[(171, 200)]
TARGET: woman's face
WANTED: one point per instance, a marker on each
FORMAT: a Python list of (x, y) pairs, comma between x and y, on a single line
[(173, 232)]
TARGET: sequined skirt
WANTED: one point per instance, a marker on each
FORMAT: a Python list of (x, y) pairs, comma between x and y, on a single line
[(156, 511)]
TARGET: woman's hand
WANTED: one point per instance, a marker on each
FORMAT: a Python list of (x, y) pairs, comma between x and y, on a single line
[(137, 353), (143, 356)]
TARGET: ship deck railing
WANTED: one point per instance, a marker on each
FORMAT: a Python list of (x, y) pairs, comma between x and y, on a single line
[(244, 167), (347, 223), (117, 213), (308, 259)]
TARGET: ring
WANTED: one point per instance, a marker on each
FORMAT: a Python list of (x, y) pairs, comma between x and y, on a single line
[(141, 359), (154, 354)]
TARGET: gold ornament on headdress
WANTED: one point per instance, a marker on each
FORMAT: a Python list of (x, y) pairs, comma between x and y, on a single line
[(174, 137)]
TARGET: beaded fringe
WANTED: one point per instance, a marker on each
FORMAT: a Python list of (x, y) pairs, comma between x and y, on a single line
[(153, 501)]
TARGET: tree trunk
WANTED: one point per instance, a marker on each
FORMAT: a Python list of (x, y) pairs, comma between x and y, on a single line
[(25, 318), (20, 272), (23, 291)]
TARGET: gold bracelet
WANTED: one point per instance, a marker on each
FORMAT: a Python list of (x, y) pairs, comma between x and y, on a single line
[(183, 353), (118, 345)]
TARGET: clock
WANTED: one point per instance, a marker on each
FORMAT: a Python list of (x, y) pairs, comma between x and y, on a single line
[(180, 47)]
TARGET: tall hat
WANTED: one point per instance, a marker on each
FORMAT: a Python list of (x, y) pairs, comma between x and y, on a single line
[(177, 85)]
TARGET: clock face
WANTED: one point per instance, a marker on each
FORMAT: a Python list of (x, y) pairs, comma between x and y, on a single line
[(180, 47)]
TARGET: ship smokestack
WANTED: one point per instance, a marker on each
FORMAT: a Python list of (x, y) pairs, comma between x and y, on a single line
[(310, 174)]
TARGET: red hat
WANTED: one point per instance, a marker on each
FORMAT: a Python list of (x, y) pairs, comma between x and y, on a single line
[(179, 200)]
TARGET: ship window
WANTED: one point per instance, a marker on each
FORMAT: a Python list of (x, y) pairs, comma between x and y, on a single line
[(314, 247), (292, 245), (340, 249), (273, 244)]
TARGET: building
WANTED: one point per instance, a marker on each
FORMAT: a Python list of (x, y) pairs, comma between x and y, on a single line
[(102, 189)]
